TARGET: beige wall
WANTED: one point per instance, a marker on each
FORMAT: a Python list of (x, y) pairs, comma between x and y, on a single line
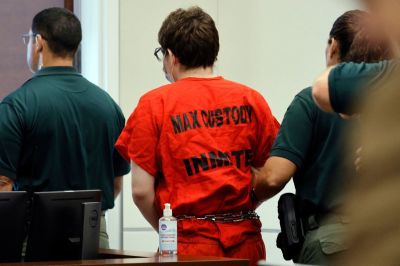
[(274, 46)]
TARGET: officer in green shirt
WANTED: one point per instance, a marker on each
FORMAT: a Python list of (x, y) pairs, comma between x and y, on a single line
[(373, 200), (310, 148), (343, 88), (57, 131)]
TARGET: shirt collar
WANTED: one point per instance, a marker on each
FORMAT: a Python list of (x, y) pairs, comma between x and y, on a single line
[(200, 79), (56, 70)]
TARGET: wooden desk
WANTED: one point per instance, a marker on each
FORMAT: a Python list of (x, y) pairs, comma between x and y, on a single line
[(125, 258)]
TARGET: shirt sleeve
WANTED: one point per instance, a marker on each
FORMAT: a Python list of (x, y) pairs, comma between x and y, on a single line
[(294, 137), (349, 81), (120, 164), (266, 130), (11, 128), (139, 139)]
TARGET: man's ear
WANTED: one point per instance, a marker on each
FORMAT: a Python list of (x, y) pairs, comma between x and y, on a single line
[(334, 51), (173, 57), (39, 43)]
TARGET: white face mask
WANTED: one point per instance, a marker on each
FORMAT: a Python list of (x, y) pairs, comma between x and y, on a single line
[(40, 62), (34, 68), (30, 55)]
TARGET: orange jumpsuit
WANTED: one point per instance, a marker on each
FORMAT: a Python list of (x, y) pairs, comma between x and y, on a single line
[(199, 137)]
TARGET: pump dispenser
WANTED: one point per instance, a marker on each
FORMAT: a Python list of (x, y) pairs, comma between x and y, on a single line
[(167, 210), (168, 232)]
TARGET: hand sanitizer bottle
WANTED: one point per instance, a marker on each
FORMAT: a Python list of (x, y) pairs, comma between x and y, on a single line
[(168, 232)]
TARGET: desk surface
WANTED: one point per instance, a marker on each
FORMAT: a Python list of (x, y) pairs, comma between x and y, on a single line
[(125, 258)]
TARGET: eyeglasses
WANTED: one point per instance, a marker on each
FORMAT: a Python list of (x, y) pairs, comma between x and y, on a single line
[(26, 37), (159, 53)]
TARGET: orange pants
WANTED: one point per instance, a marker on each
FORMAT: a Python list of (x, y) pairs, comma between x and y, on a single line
[(252, 248)]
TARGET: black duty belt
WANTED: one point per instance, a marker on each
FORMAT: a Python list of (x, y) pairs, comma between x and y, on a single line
[(223, 218)]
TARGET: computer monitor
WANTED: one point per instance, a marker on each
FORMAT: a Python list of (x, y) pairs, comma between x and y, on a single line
[(13, 211), (65, 225)]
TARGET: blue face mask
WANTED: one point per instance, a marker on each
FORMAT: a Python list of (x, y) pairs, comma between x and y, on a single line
[(169, 77)]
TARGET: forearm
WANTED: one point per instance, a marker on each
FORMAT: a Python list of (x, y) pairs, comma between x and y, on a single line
[(272, 177), (6, 184), (147, 207), (320, 91), (265, 189), (143, 194), (117, 186)]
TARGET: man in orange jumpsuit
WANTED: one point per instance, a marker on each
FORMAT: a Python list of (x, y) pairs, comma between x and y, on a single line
[(192, 143)]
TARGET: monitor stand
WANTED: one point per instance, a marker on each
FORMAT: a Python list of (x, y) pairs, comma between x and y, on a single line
[(91, 230)]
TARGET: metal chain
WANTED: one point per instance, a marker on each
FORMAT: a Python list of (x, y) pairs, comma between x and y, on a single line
[(223, 218)]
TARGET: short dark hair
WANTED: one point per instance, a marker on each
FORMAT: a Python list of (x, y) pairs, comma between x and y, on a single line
[(60, 28), (192, 37), (360, 39)]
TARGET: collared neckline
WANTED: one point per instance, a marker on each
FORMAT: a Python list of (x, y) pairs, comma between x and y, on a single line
[(201, 78), (56, 70)]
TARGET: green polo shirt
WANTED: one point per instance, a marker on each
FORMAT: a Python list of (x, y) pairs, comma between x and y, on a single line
[(349, 82), (57, 132), (313, 140)]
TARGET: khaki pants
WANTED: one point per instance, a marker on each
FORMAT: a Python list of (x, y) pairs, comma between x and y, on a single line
[(323, 244), (103, 237)]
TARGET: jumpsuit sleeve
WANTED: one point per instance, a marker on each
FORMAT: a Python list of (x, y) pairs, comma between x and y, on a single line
[(266, 130), (139, 139)]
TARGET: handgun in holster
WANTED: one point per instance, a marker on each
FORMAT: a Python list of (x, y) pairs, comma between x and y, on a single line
[(291, 238)]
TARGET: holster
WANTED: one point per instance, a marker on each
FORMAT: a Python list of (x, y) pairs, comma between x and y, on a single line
[(291, 238)]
